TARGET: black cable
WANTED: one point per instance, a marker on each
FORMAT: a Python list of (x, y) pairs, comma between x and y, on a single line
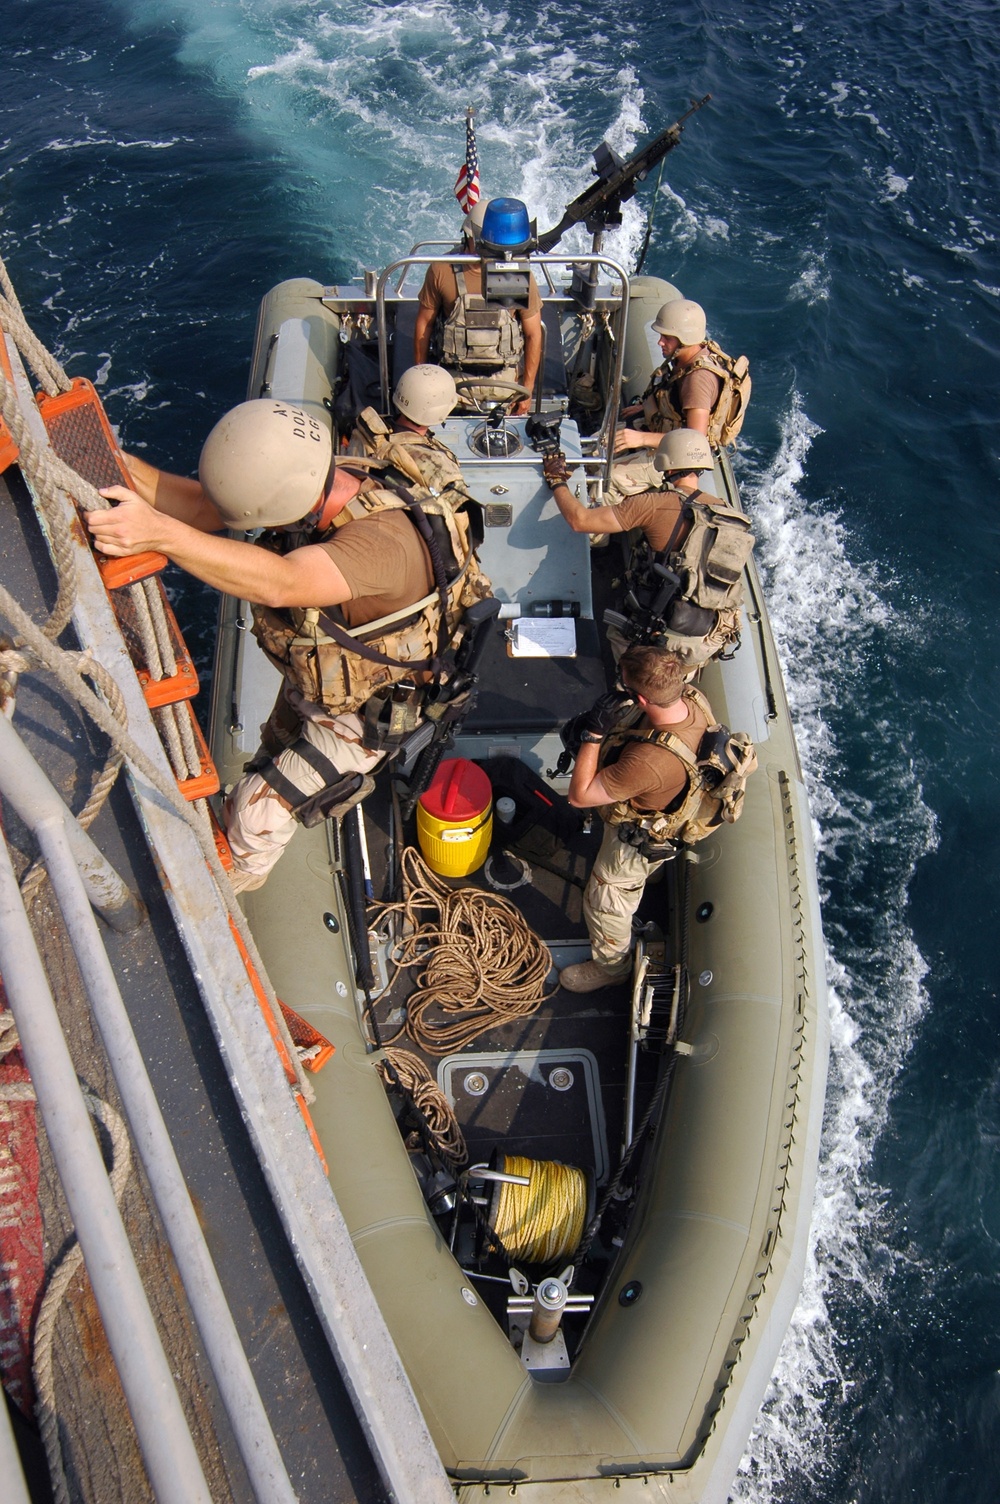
[(649, 221)]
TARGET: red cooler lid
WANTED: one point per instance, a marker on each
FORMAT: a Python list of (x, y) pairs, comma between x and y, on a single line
[(458, 791)]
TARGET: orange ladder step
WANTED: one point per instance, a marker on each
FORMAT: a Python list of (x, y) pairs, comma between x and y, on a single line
[(81, 435), (8, 449)]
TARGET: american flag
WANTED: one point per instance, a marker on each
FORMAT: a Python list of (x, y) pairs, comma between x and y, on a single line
[(467, 182)]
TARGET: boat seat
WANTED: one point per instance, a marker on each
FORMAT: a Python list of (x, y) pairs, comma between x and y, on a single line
[(361, 388), (554, 382), (401, 349)]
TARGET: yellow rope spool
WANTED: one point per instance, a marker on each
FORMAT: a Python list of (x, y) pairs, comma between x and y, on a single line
[(542, 1221)]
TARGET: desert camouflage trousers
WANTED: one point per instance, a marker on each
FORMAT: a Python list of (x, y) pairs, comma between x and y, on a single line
[(612, 895), (258, 823), (631, 474)]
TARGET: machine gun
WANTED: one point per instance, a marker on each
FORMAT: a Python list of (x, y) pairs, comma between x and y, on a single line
[(601, 204), (646, 610)]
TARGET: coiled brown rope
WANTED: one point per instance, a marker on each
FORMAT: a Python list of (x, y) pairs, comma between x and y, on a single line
[(437, 1111), (481, 965)]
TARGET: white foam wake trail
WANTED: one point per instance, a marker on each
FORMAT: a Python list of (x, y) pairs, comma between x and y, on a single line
[(826, 609), (371, 101)]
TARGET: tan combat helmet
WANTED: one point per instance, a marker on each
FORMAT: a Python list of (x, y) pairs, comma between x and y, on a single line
[(425, 394), (683, 319), (265, 463), (683, 449), (472, 224)]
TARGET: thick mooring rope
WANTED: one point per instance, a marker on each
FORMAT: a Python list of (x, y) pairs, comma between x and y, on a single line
[(60, 1276), (103, 781), (54, 659), (49, 475), (481, 965), (59, 1280)]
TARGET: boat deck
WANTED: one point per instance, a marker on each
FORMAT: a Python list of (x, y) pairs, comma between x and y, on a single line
[(549, 1085)]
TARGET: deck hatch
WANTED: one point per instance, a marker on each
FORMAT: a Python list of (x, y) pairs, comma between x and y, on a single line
[(549, 1121)]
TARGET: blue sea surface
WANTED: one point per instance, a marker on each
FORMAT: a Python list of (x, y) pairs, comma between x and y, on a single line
[(836, 209)]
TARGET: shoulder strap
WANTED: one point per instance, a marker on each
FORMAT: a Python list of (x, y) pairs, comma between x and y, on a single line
[(405, 461), (370, 423), (682, 516), (360, 507), (341, 636), (693, 693), (709, 362), (673, 743), (665, 739)]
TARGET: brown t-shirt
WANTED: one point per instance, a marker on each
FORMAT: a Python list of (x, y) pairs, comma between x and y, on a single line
[(440, 289), (384, 561), (696, 389), (657, 513), (653, 776)]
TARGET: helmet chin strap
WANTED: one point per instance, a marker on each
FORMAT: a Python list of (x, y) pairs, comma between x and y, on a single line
[(339, 493)]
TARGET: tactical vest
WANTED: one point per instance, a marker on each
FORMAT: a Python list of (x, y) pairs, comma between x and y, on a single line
[(716, 780), (729, 408), (478, 335), (421, 457), (300, 641), (688, 599)]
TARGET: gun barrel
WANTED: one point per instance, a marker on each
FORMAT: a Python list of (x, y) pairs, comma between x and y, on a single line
[(618, 185)]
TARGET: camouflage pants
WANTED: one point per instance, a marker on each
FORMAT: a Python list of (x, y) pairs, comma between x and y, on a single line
[(258, 823), (612, 896), (632, 473)]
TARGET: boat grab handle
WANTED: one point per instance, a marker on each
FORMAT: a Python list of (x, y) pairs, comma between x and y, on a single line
[(481, 1172)]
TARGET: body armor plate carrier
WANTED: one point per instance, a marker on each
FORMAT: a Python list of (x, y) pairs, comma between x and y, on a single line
[(729, 410), (480, 336), (716, 780), (343, 668), (423, 459), (688, 599)]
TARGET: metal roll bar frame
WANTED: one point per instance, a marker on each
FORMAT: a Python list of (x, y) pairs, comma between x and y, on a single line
[(592, 259)]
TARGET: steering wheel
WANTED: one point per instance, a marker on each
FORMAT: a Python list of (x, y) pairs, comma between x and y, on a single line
[(472, 386)]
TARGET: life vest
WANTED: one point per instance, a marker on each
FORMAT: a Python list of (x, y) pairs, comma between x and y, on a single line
[(716, 780), (480, 336), (729, 408), (421, 457), (342, 667), (688, 599)]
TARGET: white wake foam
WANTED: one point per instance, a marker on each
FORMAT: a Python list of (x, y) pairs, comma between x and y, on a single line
[(827, 611), (371, 102)]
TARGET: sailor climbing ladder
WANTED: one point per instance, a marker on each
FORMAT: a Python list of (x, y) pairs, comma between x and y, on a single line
[(156, 681)]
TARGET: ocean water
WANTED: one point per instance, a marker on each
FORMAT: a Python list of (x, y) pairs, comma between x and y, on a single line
[(836, 209)]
